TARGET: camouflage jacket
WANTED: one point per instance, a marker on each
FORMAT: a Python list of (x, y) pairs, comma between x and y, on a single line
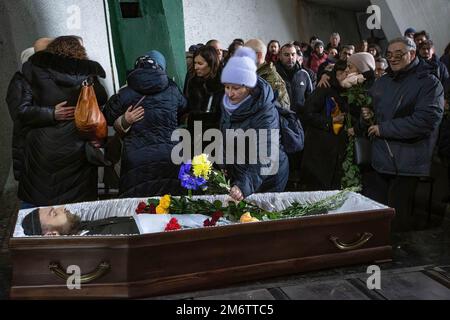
[(269, 73)]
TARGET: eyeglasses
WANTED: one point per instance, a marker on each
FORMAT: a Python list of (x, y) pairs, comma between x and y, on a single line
[(396, 56)]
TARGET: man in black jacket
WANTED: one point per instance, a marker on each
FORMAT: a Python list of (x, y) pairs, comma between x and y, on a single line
[(408, 104), (298, 81), (427, 52)]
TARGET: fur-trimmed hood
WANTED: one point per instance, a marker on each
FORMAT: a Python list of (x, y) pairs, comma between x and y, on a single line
[(61, 64)]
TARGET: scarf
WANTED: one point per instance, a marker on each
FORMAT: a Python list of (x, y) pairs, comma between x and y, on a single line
[(229, 107)]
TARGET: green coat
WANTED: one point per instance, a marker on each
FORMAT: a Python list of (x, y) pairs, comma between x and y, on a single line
[(268, 72)]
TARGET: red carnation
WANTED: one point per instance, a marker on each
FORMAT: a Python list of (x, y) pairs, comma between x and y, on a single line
[(214, 219), (216, 216), (141, 208), (173, 225), (208, 223)]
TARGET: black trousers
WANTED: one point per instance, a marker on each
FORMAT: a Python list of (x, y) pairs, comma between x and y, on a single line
[(394, 191)]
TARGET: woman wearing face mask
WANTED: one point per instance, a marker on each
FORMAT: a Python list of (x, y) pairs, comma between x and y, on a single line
[(204, 91), (325, 139), (249, 104)]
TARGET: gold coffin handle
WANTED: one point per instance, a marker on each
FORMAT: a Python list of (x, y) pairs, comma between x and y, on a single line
[(352, 246), (99, 272)]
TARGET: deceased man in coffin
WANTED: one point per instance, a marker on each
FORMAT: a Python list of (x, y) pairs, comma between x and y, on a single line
[(60, 221)]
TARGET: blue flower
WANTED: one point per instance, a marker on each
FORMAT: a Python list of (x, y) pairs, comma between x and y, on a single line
[(188, 181)]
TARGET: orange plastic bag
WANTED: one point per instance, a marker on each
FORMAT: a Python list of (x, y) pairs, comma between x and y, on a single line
[(89, 120)]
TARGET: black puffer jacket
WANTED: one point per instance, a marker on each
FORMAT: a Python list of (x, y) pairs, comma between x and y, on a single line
[(56, 170), (147, 168), (24, 118)]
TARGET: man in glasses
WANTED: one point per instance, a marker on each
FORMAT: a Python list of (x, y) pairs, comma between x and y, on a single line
[(408, 105)]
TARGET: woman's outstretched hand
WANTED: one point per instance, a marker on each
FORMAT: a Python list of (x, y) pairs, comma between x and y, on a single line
[(236, 194)]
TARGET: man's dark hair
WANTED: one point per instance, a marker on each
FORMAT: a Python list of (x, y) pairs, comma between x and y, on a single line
[(422, 33), (347, 47), (211, 42), (287, 45)]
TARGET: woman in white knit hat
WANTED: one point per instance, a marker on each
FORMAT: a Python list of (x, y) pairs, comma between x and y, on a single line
[(363, 63), (249, 103)]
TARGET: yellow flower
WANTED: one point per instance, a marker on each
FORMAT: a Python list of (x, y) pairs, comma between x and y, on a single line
[(165, 202), (161, 210), (201, 166), (247, 218)]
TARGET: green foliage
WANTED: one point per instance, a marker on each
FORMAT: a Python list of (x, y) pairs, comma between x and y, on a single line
[(357, 96), (233, 211)]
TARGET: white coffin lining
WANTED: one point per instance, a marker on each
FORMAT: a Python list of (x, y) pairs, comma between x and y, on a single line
[(90, 211)]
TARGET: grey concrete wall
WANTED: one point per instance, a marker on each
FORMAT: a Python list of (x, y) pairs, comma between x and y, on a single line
[(226, 20), (22, 22), (432, 15), (322, 20)]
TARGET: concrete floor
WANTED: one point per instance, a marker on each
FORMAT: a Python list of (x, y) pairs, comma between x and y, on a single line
[(420, 268)]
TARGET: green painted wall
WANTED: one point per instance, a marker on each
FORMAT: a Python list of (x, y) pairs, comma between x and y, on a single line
[(161, 27)]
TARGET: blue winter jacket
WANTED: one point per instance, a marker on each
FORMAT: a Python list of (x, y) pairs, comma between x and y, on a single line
[(409, 107), (147, 168), (259, 112)]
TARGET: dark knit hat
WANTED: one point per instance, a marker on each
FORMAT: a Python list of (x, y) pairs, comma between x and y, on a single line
[(31, 224)]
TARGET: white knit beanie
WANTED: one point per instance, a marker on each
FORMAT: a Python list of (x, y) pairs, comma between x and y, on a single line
[(241, 69), (363, 61)]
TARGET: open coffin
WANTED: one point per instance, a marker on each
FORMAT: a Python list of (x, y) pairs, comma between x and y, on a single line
[(152, 264)]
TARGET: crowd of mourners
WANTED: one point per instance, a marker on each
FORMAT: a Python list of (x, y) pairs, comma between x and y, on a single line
[(243, 87)]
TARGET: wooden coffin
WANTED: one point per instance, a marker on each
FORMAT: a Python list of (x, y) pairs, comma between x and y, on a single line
[(172, 262)]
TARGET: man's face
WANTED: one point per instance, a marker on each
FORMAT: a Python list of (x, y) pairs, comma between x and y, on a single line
[(274, 48), (426, 52), (345, 53), (335, 41), (52, 218), (289, 57), (420, 39), (399, 57), (218, 47)]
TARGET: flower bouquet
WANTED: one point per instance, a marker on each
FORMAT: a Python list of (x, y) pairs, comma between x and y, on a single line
[(199, 175), (357, 96)]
